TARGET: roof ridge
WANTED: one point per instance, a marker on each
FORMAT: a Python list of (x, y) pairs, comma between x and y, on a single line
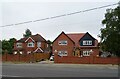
[(35, 37), (75, 33)]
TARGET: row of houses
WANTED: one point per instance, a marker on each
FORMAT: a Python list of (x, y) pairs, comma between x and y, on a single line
[(72, 44), (67, 48)]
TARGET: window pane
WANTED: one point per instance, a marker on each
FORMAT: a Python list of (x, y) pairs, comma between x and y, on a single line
[(87, 42), (86, 53), (19, 45), (62, 53), (38, 44), (63, 42), (30, 44)]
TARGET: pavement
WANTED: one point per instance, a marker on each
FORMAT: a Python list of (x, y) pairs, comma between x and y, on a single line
[(51, 63)]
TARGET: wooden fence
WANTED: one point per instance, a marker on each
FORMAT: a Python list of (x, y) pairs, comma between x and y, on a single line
[(33, 57)]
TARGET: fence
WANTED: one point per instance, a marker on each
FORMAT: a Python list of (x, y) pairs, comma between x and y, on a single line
[(87, 60), (33, 57)]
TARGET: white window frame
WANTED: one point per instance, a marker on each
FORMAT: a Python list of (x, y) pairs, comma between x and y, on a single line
[(84, 42), (28, 52), (47, 45), (38, 44), (21, 52), (30, 43), (90, 42), (62, 42), (15, 52), (62, 53), (19, 45), (86, 53), (87, 42)]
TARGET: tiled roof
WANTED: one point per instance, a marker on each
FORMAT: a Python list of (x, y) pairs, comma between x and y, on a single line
[(36, 37), (76, 37), (65, 35)]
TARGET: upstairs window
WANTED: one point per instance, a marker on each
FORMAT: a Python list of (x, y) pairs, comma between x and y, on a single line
[(63, 42), (62, 53), (30, 44), (19, 45), (87, 42), (38, 44)]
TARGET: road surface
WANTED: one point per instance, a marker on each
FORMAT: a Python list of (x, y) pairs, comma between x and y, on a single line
[(58, 70)]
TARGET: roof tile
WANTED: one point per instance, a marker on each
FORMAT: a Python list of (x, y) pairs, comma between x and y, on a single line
[(76, 37), (36, 37)]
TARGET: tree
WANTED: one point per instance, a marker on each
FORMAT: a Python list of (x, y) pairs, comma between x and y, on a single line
[(11, 42), (49, 46), (27, 33), (110, 35), (8, 45)]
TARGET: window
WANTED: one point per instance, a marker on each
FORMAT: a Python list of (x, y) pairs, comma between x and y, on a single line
[(38, 44), (15, 52), (87, 42), (19, 45), (84, 42), (30, 44), (63, 42), (21, 52), (86, 53), (47, 45), (62, 53), (28, 52)]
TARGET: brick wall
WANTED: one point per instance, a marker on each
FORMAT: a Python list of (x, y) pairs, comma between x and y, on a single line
[(69, 47), (86, 60), (113, 60)]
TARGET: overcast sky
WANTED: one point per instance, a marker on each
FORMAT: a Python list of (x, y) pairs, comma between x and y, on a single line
[(21, 11)]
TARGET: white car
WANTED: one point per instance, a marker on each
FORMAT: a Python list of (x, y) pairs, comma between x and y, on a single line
[(52, 58)]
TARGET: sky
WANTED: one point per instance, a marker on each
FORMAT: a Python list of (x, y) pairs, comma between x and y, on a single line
[(17, 11)]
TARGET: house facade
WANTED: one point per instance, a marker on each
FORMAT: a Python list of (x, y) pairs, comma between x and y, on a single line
[(75, 44), (32, 44)]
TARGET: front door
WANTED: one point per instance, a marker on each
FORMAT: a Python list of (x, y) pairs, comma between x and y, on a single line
[(77, 52)]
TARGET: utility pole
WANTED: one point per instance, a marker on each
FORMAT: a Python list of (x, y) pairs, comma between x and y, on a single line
[(119, 3)]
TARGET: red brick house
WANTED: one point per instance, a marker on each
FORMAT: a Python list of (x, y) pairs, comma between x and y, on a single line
[(75, 44), (32, 44)]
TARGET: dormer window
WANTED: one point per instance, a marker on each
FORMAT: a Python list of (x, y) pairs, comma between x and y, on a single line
[(30, 44), (87, 42), (63, 42)]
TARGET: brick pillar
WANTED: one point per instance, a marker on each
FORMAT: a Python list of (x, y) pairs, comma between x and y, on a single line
[(91, 59), (6, 56), (55, 57)]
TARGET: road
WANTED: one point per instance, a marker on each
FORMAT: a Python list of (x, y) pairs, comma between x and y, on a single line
[(58, 70)]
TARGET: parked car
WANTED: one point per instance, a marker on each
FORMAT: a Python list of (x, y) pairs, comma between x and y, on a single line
[(52, 58)]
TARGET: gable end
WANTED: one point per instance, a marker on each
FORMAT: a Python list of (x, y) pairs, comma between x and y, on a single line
[(65, 35)]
